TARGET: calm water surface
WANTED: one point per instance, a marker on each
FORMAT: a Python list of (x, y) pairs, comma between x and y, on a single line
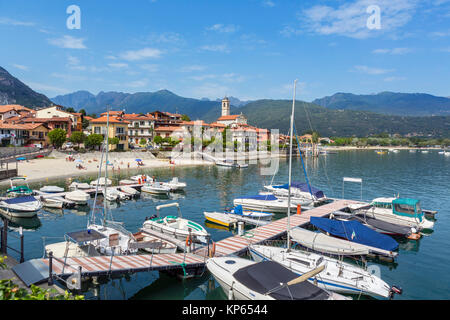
[(421, 268)]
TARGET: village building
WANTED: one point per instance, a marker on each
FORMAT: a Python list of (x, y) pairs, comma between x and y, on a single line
[(58, 112), (118, 127)]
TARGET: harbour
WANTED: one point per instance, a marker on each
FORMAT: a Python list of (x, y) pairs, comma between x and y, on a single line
[(221, 197)]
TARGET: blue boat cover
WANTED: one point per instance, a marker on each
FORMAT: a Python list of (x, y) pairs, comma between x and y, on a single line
[(238, 210), (270, 197), (20, 200), (303, 187), (355, 232)]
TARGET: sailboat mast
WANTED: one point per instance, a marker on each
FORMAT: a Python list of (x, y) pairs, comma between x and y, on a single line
[(290, 169), (106, 167)]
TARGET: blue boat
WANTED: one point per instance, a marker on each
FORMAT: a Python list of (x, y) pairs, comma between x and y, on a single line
[(356, 232)]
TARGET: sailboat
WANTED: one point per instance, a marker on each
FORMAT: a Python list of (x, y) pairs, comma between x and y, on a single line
[(336, 275)]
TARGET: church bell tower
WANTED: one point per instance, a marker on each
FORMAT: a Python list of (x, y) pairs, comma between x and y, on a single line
[(225, 107)]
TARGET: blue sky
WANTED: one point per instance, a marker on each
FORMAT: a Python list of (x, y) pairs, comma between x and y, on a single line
[(248, 49)]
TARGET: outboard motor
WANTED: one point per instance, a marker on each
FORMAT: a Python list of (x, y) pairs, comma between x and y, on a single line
[(395, 290)]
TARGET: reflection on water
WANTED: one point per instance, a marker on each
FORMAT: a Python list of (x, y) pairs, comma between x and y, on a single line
[(33, 223), (211, 189)]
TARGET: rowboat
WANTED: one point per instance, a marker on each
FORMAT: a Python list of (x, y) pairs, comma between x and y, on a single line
[(174, 184), (79, 185), (129, 190), (52, 202), (152, 244), (101, 182)]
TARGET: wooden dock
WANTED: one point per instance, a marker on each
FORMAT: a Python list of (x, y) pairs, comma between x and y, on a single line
[(238, 244), (37, 270)]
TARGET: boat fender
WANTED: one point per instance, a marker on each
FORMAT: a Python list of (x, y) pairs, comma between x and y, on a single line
[(213, 250), (299, 209), (395, 289), (188, 241)]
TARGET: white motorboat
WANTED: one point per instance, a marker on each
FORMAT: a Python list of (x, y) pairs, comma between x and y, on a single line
[(402, 211), (51, 189), (447, 153), (111, 194), (155, 188), (132, 192), (323, 243), (57, 203), (176, 226), (21, 207), (257, 215), (142, 178), (117, 240), (299, 191), (303, 202), (243, 279), (79, 185), (226, 163), (102, 181), (152, 244), (174, 184), (268, 203), (126, 182), (337, 276), (425, 151), (19, 190), (78, 196)]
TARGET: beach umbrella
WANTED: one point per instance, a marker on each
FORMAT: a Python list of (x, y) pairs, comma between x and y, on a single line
[(78, 160), (138, 160), (21, 158), (39, 156)]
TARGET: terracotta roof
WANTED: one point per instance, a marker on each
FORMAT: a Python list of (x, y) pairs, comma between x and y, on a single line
[(168, 129), (20, 126), (230, 117), (113, 113), (88, 118), (16, 107), (134, 116), (111, 120), (41, 120), (218, 125)]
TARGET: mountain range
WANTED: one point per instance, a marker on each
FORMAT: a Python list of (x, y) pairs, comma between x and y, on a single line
[(13, 91), (416, 104), (343, 114)]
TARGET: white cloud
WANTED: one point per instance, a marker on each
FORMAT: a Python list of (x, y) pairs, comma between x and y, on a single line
[(216, 48), (47, 89), (390, 79), (150, 67), (137, 83), (441, 34), (141, 54), (12, 22), (350, 19), (21, 67), (223, 28), (268, 3), (394, 51), (68, 42), (192, 68), (370, 70), (118, 65)]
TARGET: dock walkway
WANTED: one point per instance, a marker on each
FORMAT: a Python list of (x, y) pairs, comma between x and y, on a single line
[(37, 270)]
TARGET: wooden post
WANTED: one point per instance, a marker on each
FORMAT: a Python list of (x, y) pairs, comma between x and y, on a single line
[(50, 267), (5, 237)]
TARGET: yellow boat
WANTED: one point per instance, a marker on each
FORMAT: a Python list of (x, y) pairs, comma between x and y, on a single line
[(220, 218)]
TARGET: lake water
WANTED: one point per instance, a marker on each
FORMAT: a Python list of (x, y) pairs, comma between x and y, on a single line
[(421, 268)]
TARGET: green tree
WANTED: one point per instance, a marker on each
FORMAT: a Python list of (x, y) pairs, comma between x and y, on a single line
[(83, 112), (77, 137), (72, 110), (93, 140), (185, 117), (158, 140), (57, 137), (113, 141), (143, 142)]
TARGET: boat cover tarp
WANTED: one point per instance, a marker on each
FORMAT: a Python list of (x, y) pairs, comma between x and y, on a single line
[(355, 232), (303, 187), (407, 201), (269, 197), (383, 225), (267, 275), (20, 200), (238, 210)]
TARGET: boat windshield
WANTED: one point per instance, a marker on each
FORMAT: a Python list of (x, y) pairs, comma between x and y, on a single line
[(384, 205), (405, 209)]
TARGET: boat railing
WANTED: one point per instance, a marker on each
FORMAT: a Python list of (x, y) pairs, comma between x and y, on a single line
[(4, 240)]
